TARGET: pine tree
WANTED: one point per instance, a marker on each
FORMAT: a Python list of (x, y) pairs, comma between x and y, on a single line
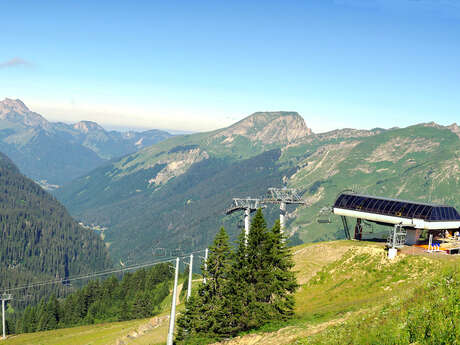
[(283, 283), (238, 293), (52, 308), (258, 272), (206, 311)]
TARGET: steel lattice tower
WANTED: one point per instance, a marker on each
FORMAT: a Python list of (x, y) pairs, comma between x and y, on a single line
[(247, 205), (283, 197)]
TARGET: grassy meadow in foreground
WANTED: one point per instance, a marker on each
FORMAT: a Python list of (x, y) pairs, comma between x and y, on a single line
[(342, 283)]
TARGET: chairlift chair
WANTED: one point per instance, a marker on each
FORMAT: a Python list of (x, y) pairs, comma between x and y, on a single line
[(324, 216), (159, 252), (176, 252)]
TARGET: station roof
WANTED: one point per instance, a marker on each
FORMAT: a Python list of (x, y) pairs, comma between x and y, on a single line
[(396, 208)]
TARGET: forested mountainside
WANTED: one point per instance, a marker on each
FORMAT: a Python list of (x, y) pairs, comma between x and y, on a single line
[(39, 239), (174, 194), (133, 296), (55, 153)]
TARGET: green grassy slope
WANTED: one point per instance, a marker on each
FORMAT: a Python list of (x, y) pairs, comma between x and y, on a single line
[(340, 283)]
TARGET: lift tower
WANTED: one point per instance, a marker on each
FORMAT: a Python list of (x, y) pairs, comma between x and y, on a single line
[(4, 297), (283, 196), (247, 205)]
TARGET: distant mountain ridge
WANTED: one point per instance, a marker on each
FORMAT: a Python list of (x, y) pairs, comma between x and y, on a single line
[(173, 194), (56, 152)]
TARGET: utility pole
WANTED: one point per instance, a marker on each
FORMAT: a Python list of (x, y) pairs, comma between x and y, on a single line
[(5, 297), (190, 277), (172, 318), (205, 265)]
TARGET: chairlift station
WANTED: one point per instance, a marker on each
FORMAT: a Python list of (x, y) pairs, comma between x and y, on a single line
[(408, 218)]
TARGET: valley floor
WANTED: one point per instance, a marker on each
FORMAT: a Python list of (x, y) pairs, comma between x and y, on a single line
[(339, 281)]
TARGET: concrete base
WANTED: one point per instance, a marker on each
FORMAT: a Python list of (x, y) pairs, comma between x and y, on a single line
[(392, 252)]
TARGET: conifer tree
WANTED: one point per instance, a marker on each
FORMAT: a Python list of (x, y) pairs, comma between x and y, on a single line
[(206, 313), (238, 293), (283, 283), (258, 272)]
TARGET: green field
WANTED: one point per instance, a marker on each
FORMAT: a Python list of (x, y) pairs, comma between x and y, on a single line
[(102, 334)]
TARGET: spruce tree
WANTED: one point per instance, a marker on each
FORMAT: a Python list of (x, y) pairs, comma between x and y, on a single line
[(239, 295), (206, 313), (283, 283), (258, 272), (245, 289)]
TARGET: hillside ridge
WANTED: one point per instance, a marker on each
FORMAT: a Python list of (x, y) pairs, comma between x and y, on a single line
[(39, 240)]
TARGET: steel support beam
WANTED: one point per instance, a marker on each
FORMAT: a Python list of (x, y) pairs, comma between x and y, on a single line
[(172, 317), (282, 216)]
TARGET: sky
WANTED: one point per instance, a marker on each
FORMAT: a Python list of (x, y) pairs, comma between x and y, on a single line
[(201, 65)]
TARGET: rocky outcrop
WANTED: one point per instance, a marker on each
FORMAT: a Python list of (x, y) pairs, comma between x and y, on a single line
[(267, 128), (14, 110), (455, 129), (348, 133), (177, 164), (87, 126)]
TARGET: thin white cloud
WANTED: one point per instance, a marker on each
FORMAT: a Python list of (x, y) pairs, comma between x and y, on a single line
[(15, 62)]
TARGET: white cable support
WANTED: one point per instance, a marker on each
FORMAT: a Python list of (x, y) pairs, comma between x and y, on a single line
[(95, 274)]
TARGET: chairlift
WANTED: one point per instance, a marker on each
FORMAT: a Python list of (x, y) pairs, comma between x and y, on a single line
[(159, 252), (66, 282), (176, 252), (324, 216), (25, 297)]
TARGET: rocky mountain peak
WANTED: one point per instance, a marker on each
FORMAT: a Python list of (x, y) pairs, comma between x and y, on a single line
[(268, 128), (87, 126), (14, 110), (13, 105)]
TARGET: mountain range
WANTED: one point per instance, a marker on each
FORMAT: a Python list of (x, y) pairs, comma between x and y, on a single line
[(174, 193), (55, 153)]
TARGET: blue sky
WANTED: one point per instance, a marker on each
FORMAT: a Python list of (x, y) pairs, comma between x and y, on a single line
[(201, 65)]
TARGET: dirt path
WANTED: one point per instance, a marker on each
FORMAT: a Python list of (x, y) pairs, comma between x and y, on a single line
[(143, 330), (284, 336), (179, 290)]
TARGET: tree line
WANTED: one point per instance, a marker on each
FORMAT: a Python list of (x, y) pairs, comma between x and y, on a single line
[(136, 295), (247, 286)]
